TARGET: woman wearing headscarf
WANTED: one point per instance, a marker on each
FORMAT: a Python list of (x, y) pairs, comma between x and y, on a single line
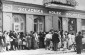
[(69, 41), (36, 40), (28, 39), (65, 40), (7, 39)]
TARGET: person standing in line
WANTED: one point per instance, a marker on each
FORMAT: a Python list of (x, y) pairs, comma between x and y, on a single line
[(69, 41), (7, 38), (1, 41), (44, 34), (19, 41), (36, 40), (12, 40), (41, 40), (61, 33), (78, 40), (16, 40), (55, 40), (47, 40), (28, 37), (59, 44), (65, 40), (22, 36), (73, 39), (32, 39), (4, 41), (43, 37)]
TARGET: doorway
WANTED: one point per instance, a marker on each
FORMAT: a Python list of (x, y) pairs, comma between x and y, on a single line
[(60, 23), (39, 23)]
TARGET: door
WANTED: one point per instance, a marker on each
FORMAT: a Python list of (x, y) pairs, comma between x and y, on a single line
[(38, 23)]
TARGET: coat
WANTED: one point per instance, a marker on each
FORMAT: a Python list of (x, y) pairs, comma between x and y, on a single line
[(70, 40), (1, 43), (78, 41), (55, 38)]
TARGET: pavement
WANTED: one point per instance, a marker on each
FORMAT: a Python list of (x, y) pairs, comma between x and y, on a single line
[(40, 52)]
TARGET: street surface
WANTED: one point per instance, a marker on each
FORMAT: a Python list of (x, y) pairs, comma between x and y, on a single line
[(40, 52)]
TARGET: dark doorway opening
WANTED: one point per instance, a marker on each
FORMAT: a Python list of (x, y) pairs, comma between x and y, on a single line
[(60, 23)]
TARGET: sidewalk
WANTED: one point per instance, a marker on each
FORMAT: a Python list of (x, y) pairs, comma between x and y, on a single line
[(39, 52)]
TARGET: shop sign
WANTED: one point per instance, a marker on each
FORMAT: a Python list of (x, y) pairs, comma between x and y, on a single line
[(54, 12), (77, 15), (22, 9), (30, 10), (26, 9), (73, 14), (68, 14)]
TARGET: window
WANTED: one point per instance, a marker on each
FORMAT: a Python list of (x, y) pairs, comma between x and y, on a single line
[(83, 22), (20, 18), (39, 23)]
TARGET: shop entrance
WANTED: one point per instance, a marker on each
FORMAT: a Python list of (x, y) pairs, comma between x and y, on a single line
[(60, 23), (39, 23)]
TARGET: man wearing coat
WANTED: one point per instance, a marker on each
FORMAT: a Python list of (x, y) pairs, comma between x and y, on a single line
[(78, 41), (55, 40)]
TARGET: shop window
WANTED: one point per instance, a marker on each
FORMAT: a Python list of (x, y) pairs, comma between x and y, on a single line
[(72, 25), (16, 19), (83, 22), (83, 26), (22, 26), (20, 18)]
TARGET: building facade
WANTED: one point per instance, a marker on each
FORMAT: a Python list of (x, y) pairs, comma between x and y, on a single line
[(23, 17)]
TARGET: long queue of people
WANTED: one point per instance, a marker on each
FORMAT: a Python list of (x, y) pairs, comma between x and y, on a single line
[(20, 41), (52, 40)]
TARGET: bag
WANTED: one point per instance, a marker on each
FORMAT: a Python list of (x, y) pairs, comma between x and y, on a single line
[(24, 42)]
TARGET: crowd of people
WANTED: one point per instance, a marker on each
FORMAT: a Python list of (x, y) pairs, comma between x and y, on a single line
[(52, 40), (20, 41), (56, 40), (60, 40)]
